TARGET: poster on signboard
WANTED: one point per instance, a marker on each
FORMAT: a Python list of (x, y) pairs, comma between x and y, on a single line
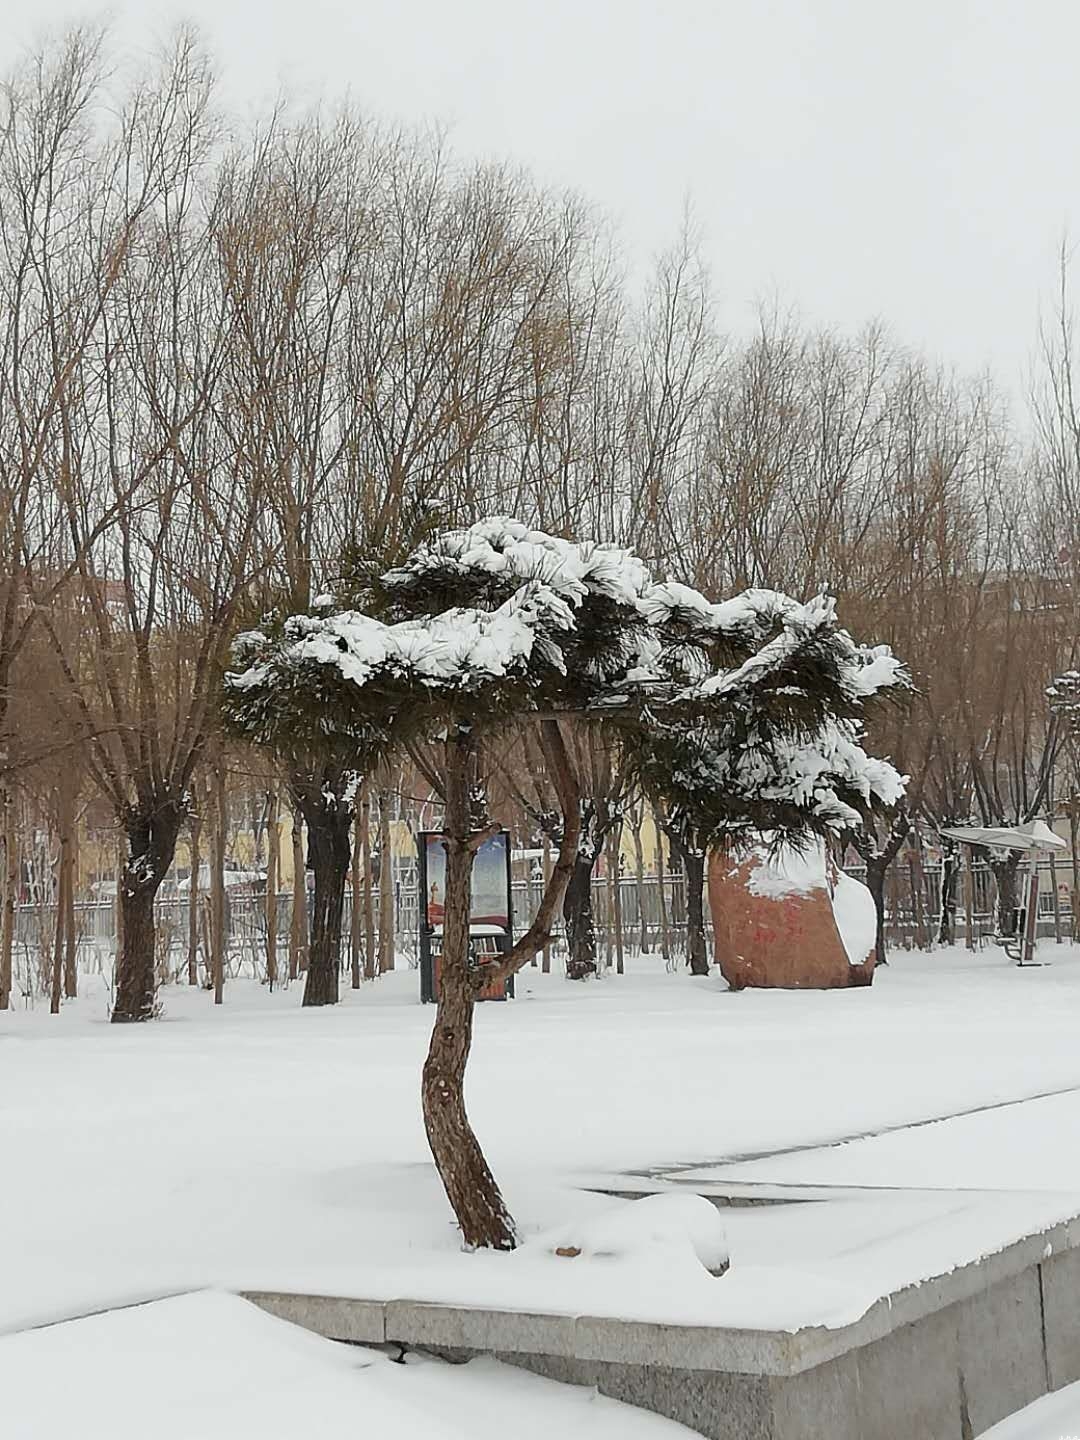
[(490, 883)]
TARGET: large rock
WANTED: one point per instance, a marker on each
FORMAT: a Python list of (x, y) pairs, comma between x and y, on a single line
[(790, 921)]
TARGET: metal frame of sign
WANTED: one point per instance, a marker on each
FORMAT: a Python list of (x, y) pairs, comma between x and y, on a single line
[(427, 964)]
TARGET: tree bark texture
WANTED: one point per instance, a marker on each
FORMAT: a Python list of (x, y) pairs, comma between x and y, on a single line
[(470, 1186), (151, 844), (328, 827), (578, 916)]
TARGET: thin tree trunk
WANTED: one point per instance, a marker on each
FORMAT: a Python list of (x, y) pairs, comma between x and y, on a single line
[(298, 924), (217, 883), (616, 895), (355, 915), (1074, 856), (71, 935), (56, 988), (11, 893), (119, 910), (386, 888), (639, 880), (545, 954), (369, 899), (969, 900), (273, 866), (195, 836), (665, 929), (1057, 897), (470, 1186)]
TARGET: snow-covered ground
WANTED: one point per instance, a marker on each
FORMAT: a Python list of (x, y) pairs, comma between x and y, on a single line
[(212, 1367), (259, 1145), (1054, 1417)]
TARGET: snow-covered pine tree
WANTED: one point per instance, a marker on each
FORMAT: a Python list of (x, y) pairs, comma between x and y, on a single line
[(498, 624), (733, 777)]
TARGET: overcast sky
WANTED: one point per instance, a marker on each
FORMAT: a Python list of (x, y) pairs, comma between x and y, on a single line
[(915, 160)]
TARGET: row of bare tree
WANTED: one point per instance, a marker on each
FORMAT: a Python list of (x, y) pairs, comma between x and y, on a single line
[(238, 362)]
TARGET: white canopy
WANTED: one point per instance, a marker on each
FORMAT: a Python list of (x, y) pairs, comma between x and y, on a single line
[(1035, 835)]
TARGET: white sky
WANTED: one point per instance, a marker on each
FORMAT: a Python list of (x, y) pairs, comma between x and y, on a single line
[(909, 159)]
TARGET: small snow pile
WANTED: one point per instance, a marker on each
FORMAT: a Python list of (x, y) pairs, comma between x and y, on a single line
[(670, 1230), (856, 918), (788, 870)]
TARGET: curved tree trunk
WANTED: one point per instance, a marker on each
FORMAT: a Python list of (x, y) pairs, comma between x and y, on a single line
[(578, 915), (470, 1186), (329, 849)]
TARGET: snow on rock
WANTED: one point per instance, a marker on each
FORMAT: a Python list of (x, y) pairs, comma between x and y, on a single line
[(800, 871), (209, 1366), (856, 918), (788, 870), (659, 1227)]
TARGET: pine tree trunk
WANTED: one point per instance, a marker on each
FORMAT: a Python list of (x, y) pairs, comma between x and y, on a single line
[(697, 950), (330, 852), (578, 915), (470, 1186), (876, 868)]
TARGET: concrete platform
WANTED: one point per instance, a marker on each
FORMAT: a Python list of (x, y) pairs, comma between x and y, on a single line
[(941, 1360)]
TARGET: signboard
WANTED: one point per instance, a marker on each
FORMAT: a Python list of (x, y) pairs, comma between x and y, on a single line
[(490, 913)]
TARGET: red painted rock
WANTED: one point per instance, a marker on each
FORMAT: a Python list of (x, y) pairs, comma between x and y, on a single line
[(793, 921)]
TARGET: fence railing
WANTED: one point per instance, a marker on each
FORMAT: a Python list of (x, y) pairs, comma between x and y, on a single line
[(648, 915)]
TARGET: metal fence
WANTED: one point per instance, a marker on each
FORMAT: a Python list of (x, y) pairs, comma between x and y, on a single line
[(646, 915)]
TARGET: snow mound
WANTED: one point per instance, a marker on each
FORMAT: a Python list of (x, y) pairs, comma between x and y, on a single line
[(856, 918), (669, 1227)]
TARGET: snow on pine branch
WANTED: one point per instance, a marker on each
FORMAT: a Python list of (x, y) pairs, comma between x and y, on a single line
[(511, 618)]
